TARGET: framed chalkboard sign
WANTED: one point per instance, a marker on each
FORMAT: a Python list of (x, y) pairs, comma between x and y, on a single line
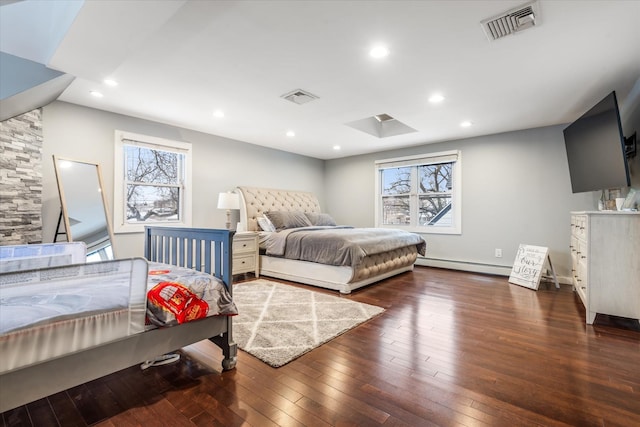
[(527, 267)]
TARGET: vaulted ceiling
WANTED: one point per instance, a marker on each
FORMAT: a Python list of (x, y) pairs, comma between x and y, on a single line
[(179, 62)]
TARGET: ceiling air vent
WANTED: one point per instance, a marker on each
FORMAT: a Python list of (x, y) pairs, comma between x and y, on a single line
[(511, 21), (299, 96)]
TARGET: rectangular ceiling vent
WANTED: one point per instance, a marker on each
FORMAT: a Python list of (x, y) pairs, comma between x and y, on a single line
[(512, 21), (299, 96)]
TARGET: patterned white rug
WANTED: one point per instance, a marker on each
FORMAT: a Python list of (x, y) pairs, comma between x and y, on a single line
[(278, 323)]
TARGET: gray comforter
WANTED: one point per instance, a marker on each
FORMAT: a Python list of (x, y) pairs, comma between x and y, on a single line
[(339, 245)]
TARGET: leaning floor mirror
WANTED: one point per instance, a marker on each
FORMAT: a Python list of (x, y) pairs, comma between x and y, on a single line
[(84, 210)]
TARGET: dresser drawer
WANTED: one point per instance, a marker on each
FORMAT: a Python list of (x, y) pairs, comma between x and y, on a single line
[(244, 263), (243, 244), (579, 223)]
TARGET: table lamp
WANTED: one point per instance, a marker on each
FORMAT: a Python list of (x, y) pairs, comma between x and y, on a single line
[(228, 201)]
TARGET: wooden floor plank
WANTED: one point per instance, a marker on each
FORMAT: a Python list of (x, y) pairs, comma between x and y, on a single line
[(451, 348)]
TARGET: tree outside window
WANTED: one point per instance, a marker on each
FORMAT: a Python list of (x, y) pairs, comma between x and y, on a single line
[(153, 183), (420, 193), (434, 194)]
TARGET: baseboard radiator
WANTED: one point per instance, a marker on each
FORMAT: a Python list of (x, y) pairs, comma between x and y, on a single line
[(477, 267)]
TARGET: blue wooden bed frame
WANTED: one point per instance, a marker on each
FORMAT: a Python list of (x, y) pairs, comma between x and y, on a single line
[(199, 249), (207, 250)]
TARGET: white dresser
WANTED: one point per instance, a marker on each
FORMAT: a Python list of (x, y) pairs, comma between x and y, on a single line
[(605, 252), (245, 253)]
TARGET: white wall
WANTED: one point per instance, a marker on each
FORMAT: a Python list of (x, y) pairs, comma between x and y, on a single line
[(219, 164), (516, 186), (515, 189)]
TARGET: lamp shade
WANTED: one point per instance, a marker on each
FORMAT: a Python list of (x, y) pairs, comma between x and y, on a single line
[(228, 201)]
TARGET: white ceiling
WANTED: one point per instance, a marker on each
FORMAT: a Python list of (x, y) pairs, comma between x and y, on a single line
[(178, 61)]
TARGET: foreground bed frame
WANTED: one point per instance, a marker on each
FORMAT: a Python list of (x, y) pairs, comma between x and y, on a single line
[(201, 249), (256, 201)]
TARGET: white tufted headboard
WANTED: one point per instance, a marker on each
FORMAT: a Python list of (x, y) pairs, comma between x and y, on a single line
[(254, 202)]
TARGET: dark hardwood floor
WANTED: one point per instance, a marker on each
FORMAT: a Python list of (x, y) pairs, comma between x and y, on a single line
[(451, 349)]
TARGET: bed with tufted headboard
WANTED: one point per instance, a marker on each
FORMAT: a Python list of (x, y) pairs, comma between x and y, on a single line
[(371, 254)]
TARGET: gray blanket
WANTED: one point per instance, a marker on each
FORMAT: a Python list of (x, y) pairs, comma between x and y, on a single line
[(339, 245)]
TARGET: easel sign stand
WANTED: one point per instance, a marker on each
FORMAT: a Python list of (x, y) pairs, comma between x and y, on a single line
[(528, 265)]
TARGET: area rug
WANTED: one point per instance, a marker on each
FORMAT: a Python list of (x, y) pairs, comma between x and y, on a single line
[(278, 323)]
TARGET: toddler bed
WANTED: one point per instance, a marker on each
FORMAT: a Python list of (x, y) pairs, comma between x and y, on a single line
[(302, 246), (96, 318)]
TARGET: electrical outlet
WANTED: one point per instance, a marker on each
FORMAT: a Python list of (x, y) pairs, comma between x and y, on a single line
[(498, 253)]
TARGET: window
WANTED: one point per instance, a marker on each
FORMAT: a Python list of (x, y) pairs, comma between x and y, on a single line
[(420, 193), (152, 182), (102, 253)]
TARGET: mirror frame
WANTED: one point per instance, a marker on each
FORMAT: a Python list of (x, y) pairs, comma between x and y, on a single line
[(64, 204)]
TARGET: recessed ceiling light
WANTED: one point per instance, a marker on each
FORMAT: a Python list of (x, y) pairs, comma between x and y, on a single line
[(336, 147), (218, 113), (110, 82), (466, 124), (435, 98), (379, 51), (96, 94), (291, 133)]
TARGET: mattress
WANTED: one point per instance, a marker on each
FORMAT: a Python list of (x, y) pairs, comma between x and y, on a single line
[(51, 312), (30, 257)]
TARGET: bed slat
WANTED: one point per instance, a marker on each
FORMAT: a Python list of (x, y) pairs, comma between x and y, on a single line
[(192, 248)]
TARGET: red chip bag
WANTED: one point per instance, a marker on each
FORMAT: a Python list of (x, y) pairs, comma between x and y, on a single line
[(179, 300)]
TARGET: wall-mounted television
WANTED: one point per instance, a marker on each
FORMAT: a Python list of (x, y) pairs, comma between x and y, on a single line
[(596, 149)]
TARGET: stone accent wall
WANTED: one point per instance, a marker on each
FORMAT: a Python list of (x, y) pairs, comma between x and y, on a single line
[(21, 179)]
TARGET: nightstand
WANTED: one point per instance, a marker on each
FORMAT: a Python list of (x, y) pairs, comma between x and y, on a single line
[(245, 253)]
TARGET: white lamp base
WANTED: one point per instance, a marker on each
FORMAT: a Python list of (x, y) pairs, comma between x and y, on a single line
[(228, 224)]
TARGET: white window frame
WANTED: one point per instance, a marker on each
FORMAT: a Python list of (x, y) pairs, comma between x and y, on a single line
[(454, 156), (119, 216)]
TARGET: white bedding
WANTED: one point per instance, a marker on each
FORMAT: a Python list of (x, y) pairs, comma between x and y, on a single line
[(28, 305), (50, 312), (29, 257)]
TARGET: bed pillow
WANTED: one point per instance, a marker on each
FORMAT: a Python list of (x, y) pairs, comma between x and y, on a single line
[(320, 218), (265, 224), (285, 219)]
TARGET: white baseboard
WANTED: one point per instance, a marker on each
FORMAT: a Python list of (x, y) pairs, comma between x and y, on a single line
[(476, 267)]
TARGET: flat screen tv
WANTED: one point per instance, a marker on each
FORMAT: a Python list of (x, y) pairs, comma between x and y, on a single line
[(596, 150)]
